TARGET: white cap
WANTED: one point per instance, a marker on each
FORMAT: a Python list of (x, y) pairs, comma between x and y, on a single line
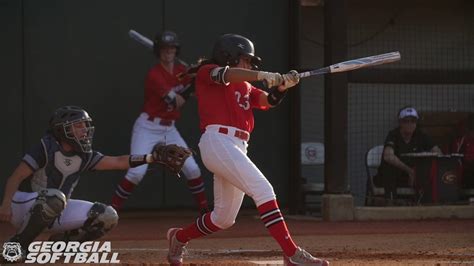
[(408, 112)]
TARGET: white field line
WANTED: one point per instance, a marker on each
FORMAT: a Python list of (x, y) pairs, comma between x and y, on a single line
[(226, 251)]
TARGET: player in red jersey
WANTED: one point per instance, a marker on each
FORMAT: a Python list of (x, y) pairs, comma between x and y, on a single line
[(464, 144), (226, 101), (165, 93)]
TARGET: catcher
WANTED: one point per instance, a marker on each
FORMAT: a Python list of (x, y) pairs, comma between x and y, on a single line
[(37, 194)]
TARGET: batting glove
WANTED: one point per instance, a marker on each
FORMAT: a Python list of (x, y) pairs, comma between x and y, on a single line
[(290, 79), (271, 79)]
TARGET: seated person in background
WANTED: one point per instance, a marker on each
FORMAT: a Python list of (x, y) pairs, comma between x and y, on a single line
[(465, 145), (395, 170)]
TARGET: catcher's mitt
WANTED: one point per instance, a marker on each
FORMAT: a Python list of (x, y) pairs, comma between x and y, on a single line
[(172, 156)]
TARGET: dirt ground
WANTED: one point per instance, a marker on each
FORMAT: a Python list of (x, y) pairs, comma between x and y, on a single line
[(140, 240)]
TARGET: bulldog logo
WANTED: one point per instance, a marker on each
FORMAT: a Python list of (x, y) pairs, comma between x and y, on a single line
[(449, 178), (11, 251), (311, 153)]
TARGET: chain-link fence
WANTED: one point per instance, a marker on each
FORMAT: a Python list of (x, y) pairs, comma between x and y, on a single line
[(435, 75)]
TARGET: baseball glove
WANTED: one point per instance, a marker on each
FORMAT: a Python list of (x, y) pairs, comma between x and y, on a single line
[(171, 156)]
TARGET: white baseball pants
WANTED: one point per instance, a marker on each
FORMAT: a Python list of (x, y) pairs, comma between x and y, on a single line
[(145, 135), (72, 217), (234, 174)]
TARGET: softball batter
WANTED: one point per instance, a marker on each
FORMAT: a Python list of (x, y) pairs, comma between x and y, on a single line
[(226, 101)]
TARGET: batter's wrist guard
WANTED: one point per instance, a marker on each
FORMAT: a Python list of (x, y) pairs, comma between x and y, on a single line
[(137, 160), (275, 96)]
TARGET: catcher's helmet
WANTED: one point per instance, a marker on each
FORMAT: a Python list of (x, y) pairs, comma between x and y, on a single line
[(229, 47), (167, 38), (64, 127)]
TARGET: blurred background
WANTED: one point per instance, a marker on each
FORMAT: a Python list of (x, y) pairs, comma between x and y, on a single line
[(56, 53)]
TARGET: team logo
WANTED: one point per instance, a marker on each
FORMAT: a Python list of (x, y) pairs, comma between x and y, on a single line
[(167, 38), (88, 252), (310, 153), (67, 162), (449, 178), (240, 45), (11, 251)]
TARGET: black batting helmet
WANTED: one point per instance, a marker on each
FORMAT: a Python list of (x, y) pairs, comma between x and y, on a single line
[(166, 38), (229, 47), (61, 125)]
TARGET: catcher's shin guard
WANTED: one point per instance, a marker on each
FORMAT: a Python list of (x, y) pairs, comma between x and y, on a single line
[(100, 219), (48, 205)]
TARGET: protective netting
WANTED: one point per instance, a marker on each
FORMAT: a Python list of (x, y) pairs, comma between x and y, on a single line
[(435, 39), (435, 75)]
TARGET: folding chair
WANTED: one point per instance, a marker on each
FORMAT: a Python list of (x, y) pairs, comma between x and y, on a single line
[(374, 194)]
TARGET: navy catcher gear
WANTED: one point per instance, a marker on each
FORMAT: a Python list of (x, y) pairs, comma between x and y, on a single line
[(62, 126), (100, 219), (48, 205)]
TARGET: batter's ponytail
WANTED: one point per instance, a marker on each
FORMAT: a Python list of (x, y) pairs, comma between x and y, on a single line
[(193, 69)]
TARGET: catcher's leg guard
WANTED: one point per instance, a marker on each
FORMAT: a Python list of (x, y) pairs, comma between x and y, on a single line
[(48, 205), (100, 219)]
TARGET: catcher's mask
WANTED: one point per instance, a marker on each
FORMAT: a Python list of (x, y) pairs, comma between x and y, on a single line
[(229, 47), (73, 125)]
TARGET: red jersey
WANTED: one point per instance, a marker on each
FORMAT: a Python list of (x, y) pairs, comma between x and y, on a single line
[(465, 145), (229, 105), (157, 84)]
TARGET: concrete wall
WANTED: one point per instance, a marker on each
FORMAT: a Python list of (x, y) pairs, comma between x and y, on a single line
[(11, 69)]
